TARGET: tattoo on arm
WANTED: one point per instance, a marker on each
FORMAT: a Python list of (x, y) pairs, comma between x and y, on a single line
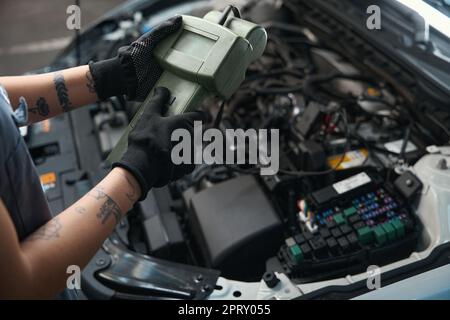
[(80, 210), (48, 231), (90, 84), (109, 207), (62, 92), (131, 195), (42, 108)]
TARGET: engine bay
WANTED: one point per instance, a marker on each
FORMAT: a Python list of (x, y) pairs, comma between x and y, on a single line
[(348, 191)]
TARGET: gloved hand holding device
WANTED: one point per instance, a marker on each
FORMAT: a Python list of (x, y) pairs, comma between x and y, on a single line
[(148, 156), (134, 71)]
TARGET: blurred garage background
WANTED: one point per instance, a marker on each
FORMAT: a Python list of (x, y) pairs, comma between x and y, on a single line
[(32, 32)]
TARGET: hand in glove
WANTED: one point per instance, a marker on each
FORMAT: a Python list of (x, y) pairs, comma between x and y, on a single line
[(134, 71), (148, 156)]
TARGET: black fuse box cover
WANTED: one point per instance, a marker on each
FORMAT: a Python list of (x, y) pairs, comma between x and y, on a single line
[(236, 226)]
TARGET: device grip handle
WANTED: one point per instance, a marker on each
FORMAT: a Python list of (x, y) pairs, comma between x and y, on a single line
[(186, 96)]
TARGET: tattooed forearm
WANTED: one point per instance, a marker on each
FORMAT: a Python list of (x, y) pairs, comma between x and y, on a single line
[(90, 84), (48, 231), (62, 92), (42, 108), (109, 207), (132, 195)]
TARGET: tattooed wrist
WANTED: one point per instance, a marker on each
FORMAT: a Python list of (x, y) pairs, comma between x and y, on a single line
[(109, 208), (90, 82)]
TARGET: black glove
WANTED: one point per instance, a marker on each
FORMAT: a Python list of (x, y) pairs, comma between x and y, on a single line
[(134, 71), (148, 156)]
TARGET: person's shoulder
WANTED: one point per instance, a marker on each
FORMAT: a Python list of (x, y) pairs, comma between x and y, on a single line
[(4, 95)]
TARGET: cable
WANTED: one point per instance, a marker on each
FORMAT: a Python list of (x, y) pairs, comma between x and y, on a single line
[(226, 13), (236, 12), (275, 91), (405, 142), (219, 115), (311, 82), (274, 73), (284, 27)]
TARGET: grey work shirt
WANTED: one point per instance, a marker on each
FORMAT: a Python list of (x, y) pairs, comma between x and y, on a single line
[(20, 186)]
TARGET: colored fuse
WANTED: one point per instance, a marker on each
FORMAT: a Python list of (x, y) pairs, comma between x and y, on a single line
[(380, 235), (390, 231), (339, 218), (350, 211), (365, 235), (297, 253), (399, 228)]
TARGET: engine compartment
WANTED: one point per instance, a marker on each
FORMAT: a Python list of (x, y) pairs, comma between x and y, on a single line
[(348, 194), (335, 121)]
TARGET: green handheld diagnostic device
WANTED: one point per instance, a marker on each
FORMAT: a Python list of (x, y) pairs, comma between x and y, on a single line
[(208, 56)]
